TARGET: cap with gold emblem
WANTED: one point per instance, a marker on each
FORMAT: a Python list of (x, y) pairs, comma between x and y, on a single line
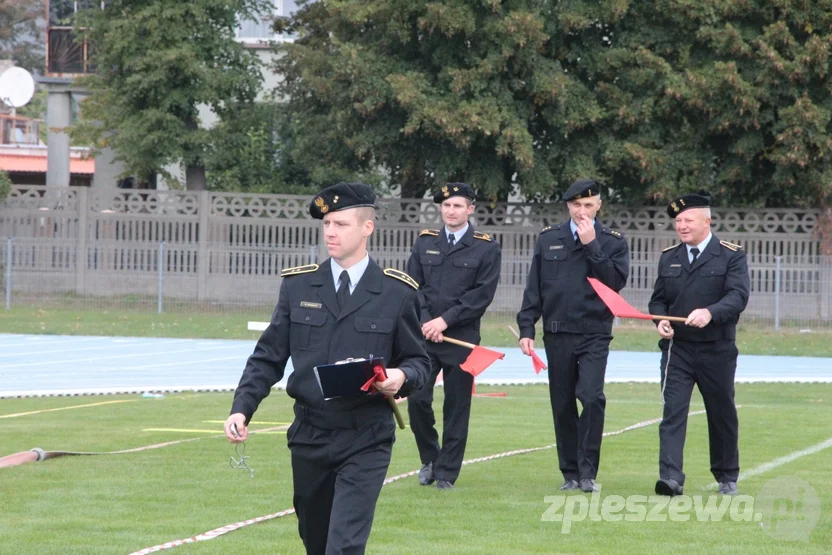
[(686, 202), (582, 188), (454, 190), (340, 197)]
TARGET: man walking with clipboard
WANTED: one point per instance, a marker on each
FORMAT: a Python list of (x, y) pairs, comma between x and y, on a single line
[(348, 307)]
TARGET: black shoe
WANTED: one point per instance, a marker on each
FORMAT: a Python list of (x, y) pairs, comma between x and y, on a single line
[(588, 485), (728, 488), (426, 475), (668, 487), (444, 484), (570, 485)]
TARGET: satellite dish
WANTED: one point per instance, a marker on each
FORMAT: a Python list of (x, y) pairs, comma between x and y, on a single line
[(16, 87)]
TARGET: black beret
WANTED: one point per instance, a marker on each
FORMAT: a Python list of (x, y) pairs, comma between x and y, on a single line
[(340, 197), (454, 190), (582, 188), (686, 202)]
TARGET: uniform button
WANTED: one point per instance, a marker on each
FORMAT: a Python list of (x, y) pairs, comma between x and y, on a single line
[(372, 326), (307, 318)]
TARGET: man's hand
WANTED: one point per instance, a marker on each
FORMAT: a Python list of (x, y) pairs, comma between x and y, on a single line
[(527, 346), (665, 329), (433, 330), (586, 231), (394, 382), (699, 318), (239, 420)]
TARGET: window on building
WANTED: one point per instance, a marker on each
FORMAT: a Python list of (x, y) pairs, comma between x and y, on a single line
[(262, 30), (64, 53)]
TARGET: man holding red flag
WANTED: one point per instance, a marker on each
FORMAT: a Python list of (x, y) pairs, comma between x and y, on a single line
[(706, 281), (346, 307), (577, 325), (457, 269)]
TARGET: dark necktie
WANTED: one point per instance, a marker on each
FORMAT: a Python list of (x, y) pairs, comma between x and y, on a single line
[(450, 240), (577, 240), (344, 290), (694, 253)]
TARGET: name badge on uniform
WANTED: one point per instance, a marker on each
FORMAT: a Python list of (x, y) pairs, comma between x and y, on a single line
[(307, 304), (675, 265), (432, 252), (555, 247)]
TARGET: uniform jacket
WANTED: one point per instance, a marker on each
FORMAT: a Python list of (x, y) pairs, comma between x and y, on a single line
[(718, 281), (381, 318), (557, 288), (456, 283)]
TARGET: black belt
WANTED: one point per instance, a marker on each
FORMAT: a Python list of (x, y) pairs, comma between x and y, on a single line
[(349, 419), (579, 326)]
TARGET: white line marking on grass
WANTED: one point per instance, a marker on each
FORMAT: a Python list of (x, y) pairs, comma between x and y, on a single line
[(65, 408), (182, 431), (780, 461), (211, 534), (94, 359)]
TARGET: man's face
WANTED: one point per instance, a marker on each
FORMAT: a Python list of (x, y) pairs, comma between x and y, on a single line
[(455, 212), (584, 208), (693, 225), (345, 232)]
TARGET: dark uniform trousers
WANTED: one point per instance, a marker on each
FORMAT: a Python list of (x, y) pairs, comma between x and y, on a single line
[(339, 462), (457, 283), (340, 447), (710, 365), (577, 366), (456, 411), (707, 357), (577, 330)]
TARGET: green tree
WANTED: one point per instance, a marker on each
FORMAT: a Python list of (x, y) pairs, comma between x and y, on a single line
[(157, 61), (248, 153), (21, 33), (5, 185), (730, 96), (423, 92)]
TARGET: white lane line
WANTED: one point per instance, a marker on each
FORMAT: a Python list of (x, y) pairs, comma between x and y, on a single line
[(98, 348), (122, 390), (63, 339), (183, 363), (95, 359)]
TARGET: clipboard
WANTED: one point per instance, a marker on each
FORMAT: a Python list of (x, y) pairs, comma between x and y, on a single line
[(345, 378)]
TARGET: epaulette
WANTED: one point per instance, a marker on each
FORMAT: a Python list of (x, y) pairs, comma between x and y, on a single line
[(671, 247), (730, 246), (401, 276), (481, 235), (549, 228), (612, 232), (297, 270), (434, 232)]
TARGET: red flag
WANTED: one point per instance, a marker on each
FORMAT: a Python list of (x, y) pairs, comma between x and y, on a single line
[(379, 375), (480, 359), (538, 364), (615, 302)]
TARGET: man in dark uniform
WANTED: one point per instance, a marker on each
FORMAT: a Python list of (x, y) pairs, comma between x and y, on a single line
[(347, 307), (457, 269), (577, 326), (706, 281)]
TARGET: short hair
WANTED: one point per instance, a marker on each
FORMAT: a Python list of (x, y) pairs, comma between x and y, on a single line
[(364, 213)]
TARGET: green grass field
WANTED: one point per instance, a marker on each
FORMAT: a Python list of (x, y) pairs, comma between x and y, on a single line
[(123, 503), (632, 336)]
